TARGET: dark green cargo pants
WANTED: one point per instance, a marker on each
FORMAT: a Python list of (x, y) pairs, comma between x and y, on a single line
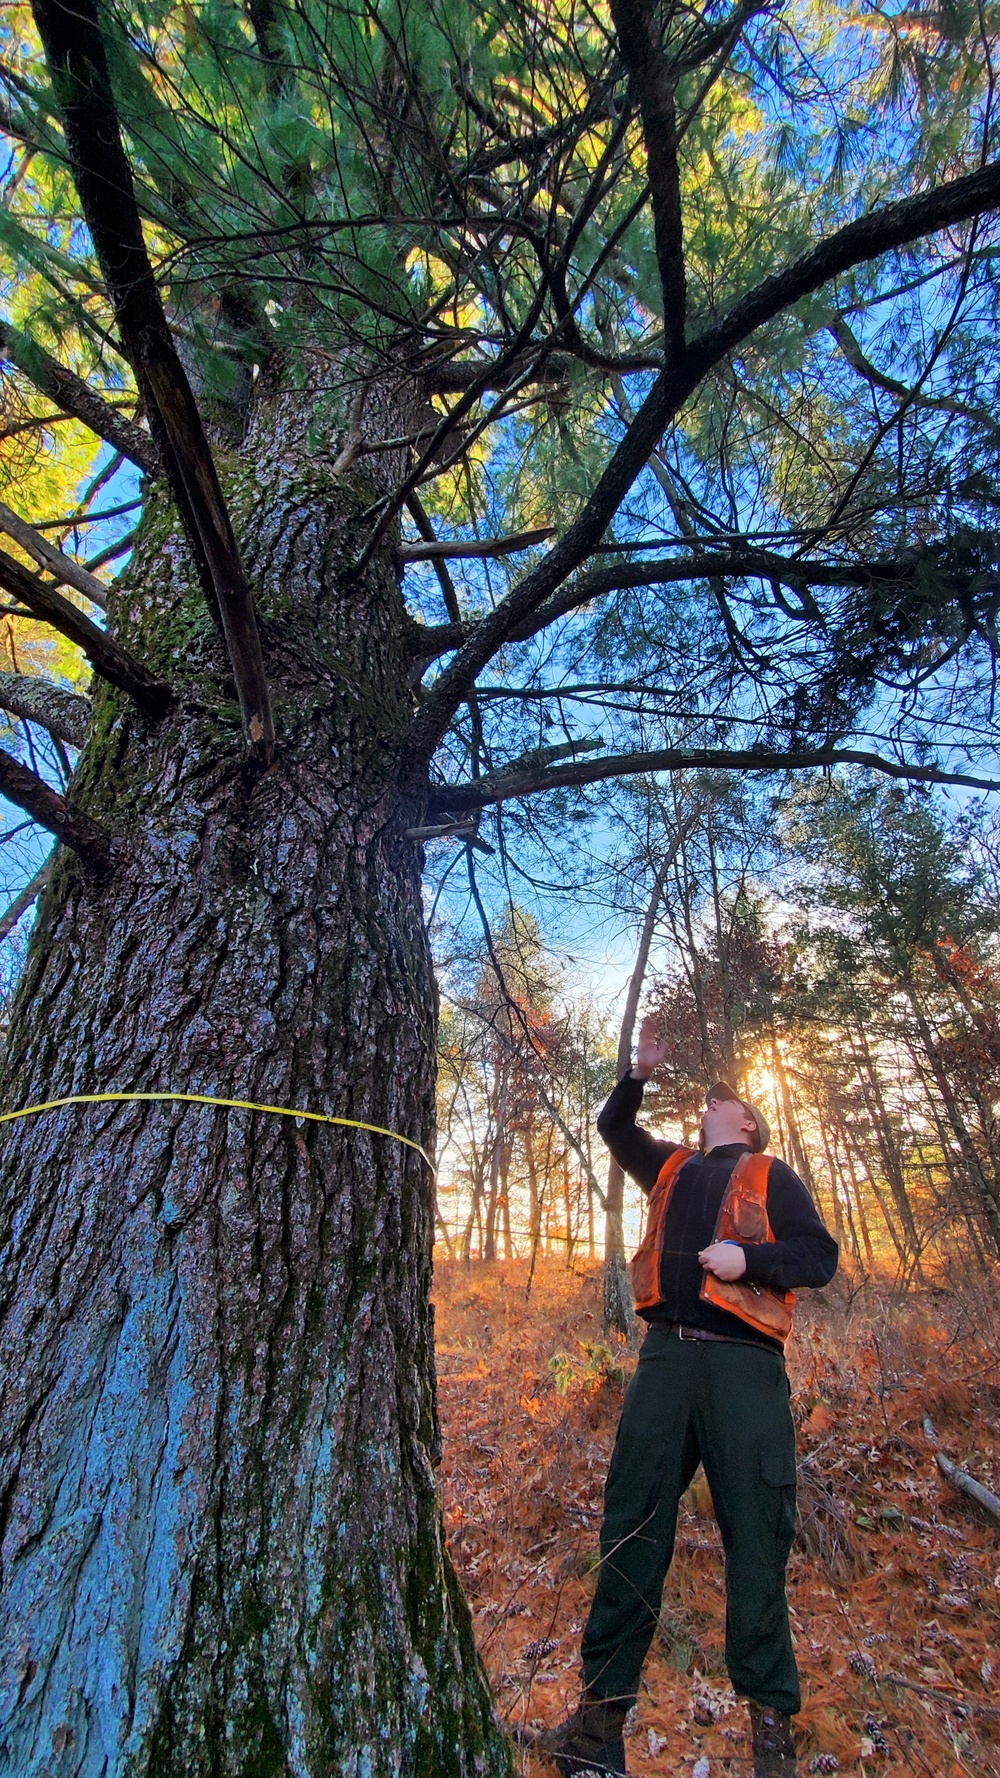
[(727, 1405)]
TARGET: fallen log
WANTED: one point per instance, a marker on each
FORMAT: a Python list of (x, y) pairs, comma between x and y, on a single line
[(967, 1484)]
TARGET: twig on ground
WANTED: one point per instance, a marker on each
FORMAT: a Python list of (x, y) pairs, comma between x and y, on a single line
[(967, 1484)]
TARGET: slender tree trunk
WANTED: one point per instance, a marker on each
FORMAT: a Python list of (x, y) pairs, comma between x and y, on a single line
[(222, 1551), (859, 1202), (496, 1169), (728, 986), (475, 1220), (871, 1087), (984, 1186), (957, 1180), (962, 1188), (795, 1142), (535, 1202), (442, 1227), (888, 1220), (838, 1214), (570, 1240), (863, 1269), (619, 1315), (690, 955), (508, 1245)]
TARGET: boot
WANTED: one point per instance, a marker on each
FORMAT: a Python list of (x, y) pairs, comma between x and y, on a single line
[(590, 1741), (773, 1747)]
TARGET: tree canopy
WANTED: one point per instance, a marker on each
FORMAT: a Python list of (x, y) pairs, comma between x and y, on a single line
[(705, 294)]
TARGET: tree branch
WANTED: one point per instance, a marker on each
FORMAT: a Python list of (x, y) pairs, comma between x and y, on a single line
[(21, 903), (449, 376), (445, 375), (666, 396), (74, 52), (63, 713), (641, 45), (529, 1055), (717, 40), (113, 549), (106, 656), (797, 573), (894, 225), (877, 379), (73, 396), (496, 788), (65, 571), (462, 552), (53, 811)]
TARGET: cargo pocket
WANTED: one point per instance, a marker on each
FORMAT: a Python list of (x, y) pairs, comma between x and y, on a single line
[(778, 1471)]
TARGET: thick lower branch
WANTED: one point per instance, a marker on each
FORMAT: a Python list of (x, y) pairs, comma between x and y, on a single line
[(37, 700), (64, 570), (449, 376), (499, 788), (106, 656), (76, 830), (746, 564), (443, 551), (668, 393), (894, 225), (73, 396), (21, 903)]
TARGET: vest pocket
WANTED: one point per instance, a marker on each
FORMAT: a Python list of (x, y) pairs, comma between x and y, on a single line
[(750, 1219)]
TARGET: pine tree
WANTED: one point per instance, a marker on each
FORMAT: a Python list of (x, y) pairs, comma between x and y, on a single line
[(358, 287)]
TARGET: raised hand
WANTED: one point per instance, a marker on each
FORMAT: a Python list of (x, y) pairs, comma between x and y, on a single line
[(649, 1052)]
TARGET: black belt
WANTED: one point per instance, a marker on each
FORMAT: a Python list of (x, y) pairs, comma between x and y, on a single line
[(684, 1332)]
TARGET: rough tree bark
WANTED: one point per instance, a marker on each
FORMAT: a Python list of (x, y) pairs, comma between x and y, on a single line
[(222, 1550)]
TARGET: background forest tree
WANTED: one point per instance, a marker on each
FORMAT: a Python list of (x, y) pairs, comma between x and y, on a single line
[(834, 950), (675, 327)]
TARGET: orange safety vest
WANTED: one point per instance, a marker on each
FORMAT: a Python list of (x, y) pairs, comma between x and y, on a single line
[(742, 1217)]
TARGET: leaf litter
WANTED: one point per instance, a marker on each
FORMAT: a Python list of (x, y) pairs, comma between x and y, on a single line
[(894, 1580)]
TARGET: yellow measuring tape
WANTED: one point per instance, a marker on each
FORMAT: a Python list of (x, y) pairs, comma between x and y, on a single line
[(315, 1117)]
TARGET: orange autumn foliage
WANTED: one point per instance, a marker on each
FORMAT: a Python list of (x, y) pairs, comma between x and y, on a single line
[(894, 1583)]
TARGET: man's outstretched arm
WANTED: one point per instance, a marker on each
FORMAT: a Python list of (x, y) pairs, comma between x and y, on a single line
[(635, 1150)]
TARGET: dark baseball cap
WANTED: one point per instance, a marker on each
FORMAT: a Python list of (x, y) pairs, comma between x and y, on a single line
[(723, 1091)]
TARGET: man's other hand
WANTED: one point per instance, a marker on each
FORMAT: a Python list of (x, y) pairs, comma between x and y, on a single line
[(725, 1260), (648, 1053)]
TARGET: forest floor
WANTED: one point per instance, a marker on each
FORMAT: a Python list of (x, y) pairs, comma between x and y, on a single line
[(894, 1581)]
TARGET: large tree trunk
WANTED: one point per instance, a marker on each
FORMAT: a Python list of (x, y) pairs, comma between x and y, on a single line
[(222, 1547)]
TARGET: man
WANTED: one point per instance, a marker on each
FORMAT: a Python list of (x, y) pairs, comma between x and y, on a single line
[(731, 1232)]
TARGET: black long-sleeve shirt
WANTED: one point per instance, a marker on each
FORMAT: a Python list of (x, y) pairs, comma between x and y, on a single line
[(802, 1253)]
